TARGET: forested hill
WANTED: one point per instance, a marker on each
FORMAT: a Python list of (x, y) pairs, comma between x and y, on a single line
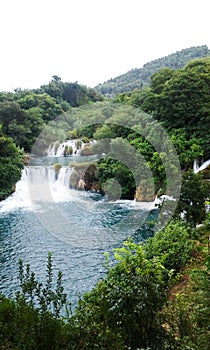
[(140, 77)]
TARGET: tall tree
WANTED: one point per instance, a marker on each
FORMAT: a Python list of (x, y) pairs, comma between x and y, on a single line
[(11, 164)]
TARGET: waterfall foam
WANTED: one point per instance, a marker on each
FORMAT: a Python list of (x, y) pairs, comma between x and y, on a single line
[(73, 216), (20, 198), (203, 166), (71, 147), (36, 179)]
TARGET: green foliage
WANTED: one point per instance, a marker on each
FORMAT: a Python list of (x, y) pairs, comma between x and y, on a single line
[(73, 93), (187, 316), (72, 134), (11, 164), (23, 126), (136, 79), (179, 99), (172, 245), (128, 309), (191, 203), (31, 321), (133, 152), (108, 168), (43, 297), (184, 101), (121, 311), (188, 149), (85, 139), (159, 79), (103, 132), (24, 113)]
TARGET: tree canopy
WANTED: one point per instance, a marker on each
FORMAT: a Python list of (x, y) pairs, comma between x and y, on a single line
[(179, 99), (11, 160), (139, 78), (24, 113)]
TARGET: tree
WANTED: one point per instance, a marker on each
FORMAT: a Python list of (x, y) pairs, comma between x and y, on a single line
[(75, 94), (121, 312), (31, 320), (159, 79), (8, 112), (191, 203), (11, 164), (184, 101), (180, 100), (172, 245), (188, 148)]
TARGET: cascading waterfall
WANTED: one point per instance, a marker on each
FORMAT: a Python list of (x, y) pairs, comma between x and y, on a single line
[(37, 178), (59, 207), (71, 147), (40, 174), (67, 148)]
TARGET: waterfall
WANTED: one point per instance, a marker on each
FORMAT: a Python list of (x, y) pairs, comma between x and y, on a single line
[(20, 198), (70, 147), (35, 182), (43, 174), (195, 166), (203, 166)]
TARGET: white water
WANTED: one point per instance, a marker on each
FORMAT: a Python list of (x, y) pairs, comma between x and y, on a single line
[(60, 208), (20, 198), (40, 177), (58, 151), (57, 148), (45, 215), (203, 166)]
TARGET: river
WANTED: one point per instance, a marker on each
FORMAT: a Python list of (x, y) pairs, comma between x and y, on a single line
[(77, 227)]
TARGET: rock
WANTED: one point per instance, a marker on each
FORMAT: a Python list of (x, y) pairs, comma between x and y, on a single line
[(81, 184), (144, 194)]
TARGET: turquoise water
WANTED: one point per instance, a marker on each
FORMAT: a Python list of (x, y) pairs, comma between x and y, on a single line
[(87, 225)]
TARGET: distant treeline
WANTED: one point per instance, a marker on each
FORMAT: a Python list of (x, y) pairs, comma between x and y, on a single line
[(140, 77)]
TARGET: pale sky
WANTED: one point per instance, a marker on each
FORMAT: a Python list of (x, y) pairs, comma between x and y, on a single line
[(91, 41)]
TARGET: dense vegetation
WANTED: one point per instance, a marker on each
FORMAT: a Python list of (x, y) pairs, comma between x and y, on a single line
[(24, 114), (11, 164), (180, 101), (146, 301), (140, 77), (156, 296)]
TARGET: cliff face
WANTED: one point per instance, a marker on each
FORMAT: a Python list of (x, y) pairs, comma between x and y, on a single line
[(83, 177), (144, 194)]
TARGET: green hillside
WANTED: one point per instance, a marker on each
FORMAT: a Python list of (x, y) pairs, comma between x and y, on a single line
[(140, 77)]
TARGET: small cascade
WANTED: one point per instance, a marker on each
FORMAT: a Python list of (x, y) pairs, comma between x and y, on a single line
[(66, 148), (69, 148), (64, 176), (203, 166), (46, 174), (20, 198), (38, 183), (195, 166)]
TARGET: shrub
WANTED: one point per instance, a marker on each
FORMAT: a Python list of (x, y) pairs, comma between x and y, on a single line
[(121, 311), (173, 245)]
